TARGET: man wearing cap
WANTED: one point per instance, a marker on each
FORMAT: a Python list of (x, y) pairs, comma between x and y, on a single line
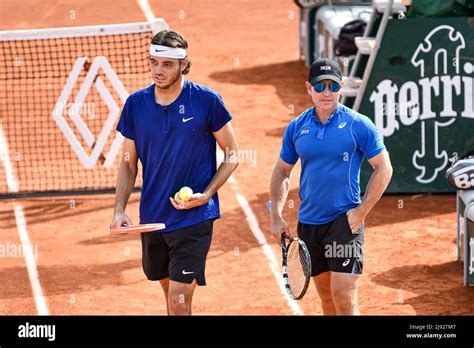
[(331, 140), (172, 126)]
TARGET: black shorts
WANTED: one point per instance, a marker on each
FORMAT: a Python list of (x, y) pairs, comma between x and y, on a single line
[(333, 247), (179, 255)]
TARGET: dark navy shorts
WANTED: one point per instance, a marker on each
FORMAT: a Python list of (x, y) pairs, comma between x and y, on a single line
[(333, 247), (178, 255)]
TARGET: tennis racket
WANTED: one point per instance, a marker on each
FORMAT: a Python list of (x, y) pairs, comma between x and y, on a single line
[(296, 264), (133, 229)]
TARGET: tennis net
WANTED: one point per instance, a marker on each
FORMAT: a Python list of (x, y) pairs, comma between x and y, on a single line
[(61, 94)]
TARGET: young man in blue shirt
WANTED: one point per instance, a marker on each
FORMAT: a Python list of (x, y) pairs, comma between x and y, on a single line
[(331, 140), (172, 127)]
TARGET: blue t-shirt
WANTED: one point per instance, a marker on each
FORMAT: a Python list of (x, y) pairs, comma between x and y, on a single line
[(176, 147), (331, 156)]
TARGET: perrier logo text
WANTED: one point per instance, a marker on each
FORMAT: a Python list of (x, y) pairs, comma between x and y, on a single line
[(443, 77)]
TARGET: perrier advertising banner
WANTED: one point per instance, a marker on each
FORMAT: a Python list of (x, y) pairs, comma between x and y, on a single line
[(420, 97)]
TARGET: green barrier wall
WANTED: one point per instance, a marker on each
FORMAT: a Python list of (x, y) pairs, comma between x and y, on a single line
[(420, 97)]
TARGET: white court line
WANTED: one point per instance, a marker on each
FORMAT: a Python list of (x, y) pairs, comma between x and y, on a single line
[(273, 264), (146, 9), (27, 247), (260, 237)]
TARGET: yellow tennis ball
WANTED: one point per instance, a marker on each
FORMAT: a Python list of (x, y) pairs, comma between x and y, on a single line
[(176, 197), (185, 193)]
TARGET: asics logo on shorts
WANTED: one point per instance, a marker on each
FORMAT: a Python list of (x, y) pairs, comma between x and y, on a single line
[(346, 262)]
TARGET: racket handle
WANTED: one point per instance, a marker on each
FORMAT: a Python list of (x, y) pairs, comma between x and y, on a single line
[(283, 244), (269, 206), (284, 234)]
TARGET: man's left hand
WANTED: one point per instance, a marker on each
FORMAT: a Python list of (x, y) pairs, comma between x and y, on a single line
[(356, 218), (196, 200)]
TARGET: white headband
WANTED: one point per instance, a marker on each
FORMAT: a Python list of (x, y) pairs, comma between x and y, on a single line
[(167, 52)]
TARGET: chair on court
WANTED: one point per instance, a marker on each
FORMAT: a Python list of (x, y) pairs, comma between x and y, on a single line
[(465, 233)]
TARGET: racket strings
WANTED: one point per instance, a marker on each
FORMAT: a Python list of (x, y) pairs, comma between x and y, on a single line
[(305, 262), (298, 268)]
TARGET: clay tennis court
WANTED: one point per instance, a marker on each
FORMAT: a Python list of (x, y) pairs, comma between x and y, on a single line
[(248, 52)]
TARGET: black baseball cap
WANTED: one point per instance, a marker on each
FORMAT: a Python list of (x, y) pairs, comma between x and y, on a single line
[(324, 69)]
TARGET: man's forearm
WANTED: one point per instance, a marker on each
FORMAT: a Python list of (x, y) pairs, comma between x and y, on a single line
[(378, 182), (125, 182), (223, 173), (279, 188)]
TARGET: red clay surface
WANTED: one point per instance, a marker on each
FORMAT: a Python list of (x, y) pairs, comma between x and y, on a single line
[(248, 52)]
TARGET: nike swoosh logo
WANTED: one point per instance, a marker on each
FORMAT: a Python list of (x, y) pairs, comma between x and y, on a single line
[(160, 50), (184, 272), (187, 119)]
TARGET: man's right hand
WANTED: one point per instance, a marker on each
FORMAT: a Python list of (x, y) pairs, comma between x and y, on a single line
[(279, 226), (120, 219)]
